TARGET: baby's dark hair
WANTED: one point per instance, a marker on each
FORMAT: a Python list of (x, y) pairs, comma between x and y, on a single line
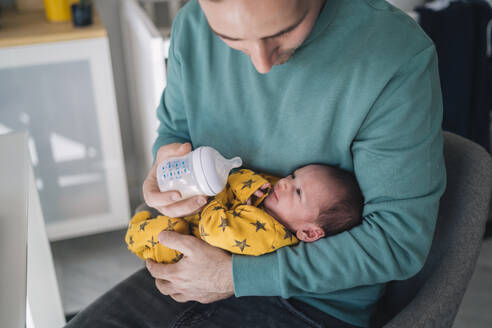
[(346, 212)]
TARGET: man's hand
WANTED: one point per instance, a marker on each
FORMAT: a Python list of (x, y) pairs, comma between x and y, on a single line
[(169, 203), (204, 274)]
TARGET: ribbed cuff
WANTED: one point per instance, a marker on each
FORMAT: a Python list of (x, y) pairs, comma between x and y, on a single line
[(255, 275)]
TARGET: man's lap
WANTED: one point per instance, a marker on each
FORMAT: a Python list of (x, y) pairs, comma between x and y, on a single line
[(136, 302)]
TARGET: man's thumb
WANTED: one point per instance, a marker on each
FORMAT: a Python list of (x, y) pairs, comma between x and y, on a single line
[(177, 241), (185, 147)]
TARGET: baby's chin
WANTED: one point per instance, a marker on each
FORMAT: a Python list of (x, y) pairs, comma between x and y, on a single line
[(268, 205)]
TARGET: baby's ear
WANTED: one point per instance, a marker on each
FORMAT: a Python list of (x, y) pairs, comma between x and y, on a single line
[(310, 233)]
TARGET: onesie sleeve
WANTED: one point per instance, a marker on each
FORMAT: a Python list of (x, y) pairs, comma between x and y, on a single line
[(398, 162), (244, 183), (245, 229), (141, 236)]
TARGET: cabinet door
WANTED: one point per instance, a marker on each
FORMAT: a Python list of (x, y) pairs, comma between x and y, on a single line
[(63, 94), (145, 63)]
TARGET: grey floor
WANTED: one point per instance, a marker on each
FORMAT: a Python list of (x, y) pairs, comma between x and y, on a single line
[(87, 267)]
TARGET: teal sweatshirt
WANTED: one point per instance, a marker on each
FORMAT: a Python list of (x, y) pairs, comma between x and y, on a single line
[(361, 93)]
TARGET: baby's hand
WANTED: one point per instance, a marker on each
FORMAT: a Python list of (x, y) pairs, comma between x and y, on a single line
[(259, 193)]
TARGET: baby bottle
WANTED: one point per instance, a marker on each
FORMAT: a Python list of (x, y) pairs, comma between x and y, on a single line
[(201, 172)]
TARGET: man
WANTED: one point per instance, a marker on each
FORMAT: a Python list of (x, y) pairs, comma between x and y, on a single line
[(283, 83)]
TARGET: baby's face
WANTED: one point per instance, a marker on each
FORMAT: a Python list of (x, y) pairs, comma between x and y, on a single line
[(296, 200)]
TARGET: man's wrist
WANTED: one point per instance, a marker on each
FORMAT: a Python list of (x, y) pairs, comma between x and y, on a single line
[(229, 279)]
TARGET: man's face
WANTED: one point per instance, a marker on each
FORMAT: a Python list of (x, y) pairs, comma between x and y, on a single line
[(268, 31), (296, 200)]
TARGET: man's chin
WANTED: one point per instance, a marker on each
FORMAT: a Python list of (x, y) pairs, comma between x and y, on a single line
[(284, 58), (281, 62)]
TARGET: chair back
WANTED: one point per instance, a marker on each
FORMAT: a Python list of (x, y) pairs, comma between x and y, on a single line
[(432, 297)]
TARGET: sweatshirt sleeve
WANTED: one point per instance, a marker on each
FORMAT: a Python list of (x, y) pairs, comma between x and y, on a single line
[(398, 162), (173, 125)]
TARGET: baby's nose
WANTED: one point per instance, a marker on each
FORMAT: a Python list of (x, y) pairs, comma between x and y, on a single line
[(283, 183), (278, 185)]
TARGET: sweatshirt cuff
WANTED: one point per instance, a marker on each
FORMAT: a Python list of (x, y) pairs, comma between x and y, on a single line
[(247, 278)]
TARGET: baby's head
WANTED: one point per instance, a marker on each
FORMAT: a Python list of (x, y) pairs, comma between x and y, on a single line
[(316, 201)]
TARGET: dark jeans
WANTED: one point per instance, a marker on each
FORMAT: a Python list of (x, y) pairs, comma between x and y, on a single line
[(136, 303)]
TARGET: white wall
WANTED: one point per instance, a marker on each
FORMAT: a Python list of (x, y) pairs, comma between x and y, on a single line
[(109, 11)]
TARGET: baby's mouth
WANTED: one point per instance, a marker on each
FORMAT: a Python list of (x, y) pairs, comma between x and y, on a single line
[(274, 194)]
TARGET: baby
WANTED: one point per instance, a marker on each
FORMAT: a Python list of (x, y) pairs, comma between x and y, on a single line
[(250, 217)]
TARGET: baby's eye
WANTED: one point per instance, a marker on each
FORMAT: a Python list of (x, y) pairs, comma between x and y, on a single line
[(298, 191)]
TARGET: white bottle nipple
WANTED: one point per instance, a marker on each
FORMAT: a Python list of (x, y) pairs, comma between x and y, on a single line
[(234, 163), (214, 169), (224, 166)]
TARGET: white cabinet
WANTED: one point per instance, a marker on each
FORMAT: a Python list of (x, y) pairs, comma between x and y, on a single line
[(61, 91)]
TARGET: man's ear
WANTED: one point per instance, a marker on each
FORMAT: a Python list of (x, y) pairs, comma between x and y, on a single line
[(310, 233)]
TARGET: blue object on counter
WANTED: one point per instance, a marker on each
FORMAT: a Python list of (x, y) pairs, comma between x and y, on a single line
[(81, 14)]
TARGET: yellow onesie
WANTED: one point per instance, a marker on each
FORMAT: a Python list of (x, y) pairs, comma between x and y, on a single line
[(225, 222)]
